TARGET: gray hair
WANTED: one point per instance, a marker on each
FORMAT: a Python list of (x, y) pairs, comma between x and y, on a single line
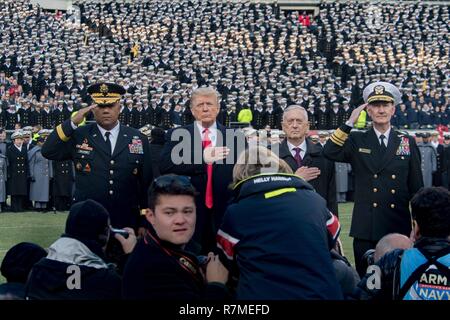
[(295, 107), (205, 91)]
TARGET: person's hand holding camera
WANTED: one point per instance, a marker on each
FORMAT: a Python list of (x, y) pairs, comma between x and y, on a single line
[(127, 243), (215, 270)]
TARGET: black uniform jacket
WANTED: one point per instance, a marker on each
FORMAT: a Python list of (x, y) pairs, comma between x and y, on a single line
[(384, 183), (118, 181), (18, 171)]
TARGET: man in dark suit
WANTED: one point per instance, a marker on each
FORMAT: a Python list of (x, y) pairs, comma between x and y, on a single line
[(112, 161), (211, 179), (305, 158), (387, 170)]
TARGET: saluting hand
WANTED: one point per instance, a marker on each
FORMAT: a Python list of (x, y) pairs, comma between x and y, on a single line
[(81, 114), (355, 113)]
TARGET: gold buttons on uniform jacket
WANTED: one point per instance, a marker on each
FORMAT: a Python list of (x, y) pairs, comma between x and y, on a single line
[(111, 172), (393, 176), (392, 205), (375, 176), (375, 190), (375, 204), (111, 192), (112, 162), (393, 191), (111, 182)]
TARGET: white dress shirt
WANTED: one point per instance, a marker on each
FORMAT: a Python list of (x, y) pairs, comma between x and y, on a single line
[(212, 132), (386, 134), (19, 148), (113, 137), (301, 146)]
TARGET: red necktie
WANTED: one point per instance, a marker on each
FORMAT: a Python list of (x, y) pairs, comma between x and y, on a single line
[(206, 142)]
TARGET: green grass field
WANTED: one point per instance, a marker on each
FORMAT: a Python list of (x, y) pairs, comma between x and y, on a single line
[(45, 228)]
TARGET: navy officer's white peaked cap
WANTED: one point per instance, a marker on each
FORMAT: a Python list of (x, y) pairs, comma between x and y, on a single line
[(17, 134), (382, 91)]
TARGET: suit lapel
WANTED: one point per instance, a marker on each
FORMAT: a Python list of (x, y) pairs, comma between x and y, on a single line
[(122, 141), (312, 150), (196, 143), (284, 150), (393, 143), (220, 142), (195, 133), (286, 155)]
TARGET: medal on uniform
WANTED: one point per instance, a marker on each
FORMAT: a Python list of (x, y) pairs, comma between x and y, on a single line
[(135, 171), (403, 148), (79, 166), (87, 168), (84, 148), (135, 146), (368, 151)]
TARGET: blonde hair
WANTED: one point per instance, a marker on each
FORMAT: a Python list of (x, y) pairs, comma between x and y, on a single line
[(256, 160), (204, 91)]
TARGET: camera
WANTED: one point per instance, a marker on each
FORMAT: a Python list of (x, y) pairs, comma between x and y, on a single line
[(122, 232), (202, 260), (368, 257)]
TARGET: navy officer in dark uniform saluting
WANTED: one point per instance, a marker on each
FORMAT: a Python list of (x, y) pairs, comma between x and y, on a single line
[(387, 171), (112, 161)]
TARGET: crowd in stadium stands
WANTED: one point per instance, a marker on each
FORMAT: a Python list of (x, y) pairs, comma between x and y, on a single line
[(257, 56), (261, 60)]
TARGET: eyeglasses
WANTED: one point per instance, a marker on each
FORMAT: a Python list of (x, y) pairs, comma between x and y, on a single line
[(166, 181)]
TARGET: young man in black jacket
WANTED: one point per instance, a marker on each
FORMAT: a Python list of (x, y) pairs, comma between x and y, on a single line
[(160, 268)]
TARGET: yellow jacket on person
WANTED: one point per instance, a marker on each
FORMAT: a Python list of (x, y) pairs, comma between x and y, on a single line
[(82, 122), (245, 115), (361, 122)]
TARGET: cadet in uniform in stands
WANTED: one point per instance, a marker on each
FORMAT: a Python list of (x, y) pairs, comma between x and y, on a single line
[(17, 172), (112, 161), (386, 164)]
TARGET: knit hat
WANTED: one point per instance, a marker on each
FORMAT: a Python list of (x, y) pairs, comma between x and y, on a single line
[(88, 222), (19, 260)]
